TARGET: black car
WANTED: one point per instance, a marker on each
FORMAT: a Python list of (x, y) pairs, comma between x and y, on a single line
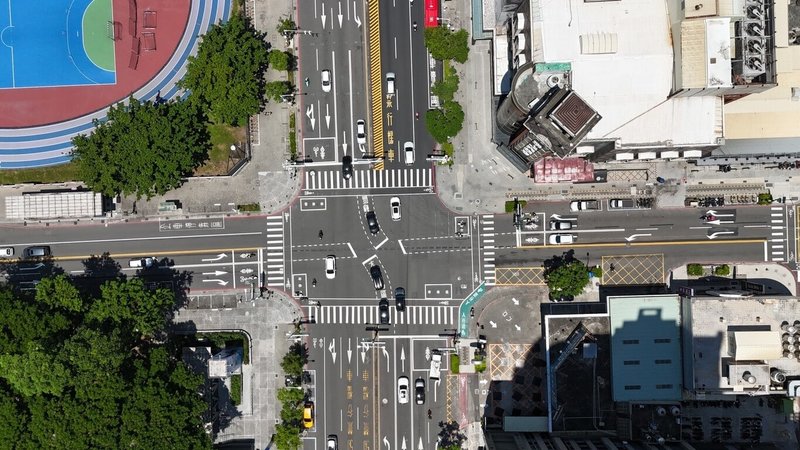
[(372, 222), (377, 277), (419, 391), (400, 299), (383, 311), (347, 167)]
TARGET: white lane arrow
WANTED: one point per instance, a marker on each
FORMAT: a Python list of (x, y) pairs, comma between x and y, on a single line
[(355, 13), (219, 282), (220, 256), (711, 212), (494, 325), (340, 15), (386, 354), (349, 352), (386, 442), (363, 354), (420, 447), (443, 302), (216, 273), (718, 233), (332, 349), (517, 327), (310, 115), (403, 359), (37, 266), (323, 16), (714, 222), (327, 116), (516, 302), (557, 217), (344, 141), (403, 444), (634, 236)]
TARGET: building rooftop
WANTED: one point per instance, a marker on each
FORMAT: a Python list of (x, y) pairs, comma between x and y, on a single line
[(622, 66)]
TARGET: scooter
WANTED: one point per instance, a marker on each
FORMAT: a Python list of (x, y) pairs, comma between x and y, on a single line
[(246, 271)]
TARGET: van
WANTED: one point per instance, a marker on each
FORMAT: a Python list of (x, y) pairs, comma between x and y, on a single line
[(38, 251), (142, 262), (390, 83), (408, 152)]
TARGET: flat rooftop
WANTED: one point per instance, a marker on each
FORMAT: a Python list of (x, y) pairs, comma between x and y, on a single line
[(622, 65)]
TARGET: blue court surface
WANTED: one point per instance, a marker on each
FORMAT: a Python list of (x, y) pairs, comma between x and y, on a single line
[(42, 43)]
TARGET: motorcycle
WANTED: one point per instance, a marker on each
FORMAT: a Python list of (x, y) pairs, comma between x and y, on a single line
[(246, 271)]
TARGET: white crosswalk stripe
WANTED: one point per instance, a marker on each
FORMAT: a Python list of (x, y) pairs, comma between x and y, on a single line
[(777, 242), (488, 248), (275, 255), (426, 315), (329, 179)]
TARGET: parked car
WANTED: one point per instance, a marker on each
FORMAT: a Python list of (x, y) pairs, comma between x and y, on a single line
[(37, 251), (560, 224), (326, 80), (584, 205), (561, 239), (308, 415), (402, 390), (6, 252), (383, 311), (400, 299), (347, 167), (330, 267), (372, 222), (394, 205), (621, 203), (419, 391), (361, 132), (377, 277)]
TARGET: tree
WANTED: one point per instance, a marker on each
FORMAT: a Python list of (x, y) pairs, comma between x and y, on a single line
[(446, 88), (285, 25), (129, 302), (290, 396), (276, 89), (34, 373), (287, 437), (445, 122), (144, 149), (450, 436), (567, 277), (444, 44), (227, 75), (292, 364), (279, 60)]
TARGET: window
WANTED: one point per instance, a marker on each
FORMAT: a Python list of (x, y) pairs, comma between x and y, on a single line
[(663, 361), (663, 386), (630, 341), (662, 341), (631, 363), (632, 387)]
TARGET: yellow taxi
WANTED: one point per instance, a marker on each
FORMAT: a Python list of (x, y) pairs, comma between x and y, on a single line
[(308, 415)]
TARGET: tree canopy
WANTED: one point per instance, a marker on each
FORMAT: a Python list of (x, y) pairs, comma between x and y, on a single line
[(566, 275), (276, 89), (144, 149), (446, 88), (445, 44), (445, 122), (79, 371), (279, 60), (227, 75)]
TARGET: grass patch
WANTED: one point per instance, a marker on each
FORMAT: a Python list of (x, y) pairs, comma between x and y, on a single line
[(480, 367), (510, 205), (236, 389), (219, 158), (53, 174), (292, 137), (228, 339), (249, 207), (455, 361)]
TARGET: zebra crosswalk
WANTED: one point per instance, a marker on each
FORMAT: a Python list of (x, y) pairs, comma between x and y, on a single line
[(369, 179), (488, 249), (427, 315), (778, 229), (275, 258)]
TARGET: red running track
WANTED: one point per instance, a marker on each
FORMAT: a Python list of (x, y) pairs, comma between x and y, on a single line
[(41, 106)]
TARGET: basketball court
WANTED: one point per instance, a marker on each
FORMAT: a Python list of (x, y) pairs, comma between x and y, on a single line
[(63, 43)]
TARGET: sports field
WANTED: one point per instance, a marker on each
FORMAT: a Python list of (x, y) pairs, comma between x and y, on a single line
[(56, 43)]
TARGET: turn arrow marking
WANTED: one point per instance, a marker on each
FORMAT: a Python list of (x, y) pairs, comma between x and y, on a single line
[(216, 273), (220, 256), (403, 358), (323, 16), (331, 348), (634, 236), (349, 352), (219, 282)]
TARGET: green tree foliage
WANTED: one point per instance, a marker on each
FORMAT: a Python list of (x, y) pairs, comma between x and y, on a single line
[(695, 270), (287, 437), (450, 436), (445, 122), (446, 88), (286, 24), (290, 396), (292, 364), (723, 270), (568, 277), (444, 44), (75, 373), (144, 149), (227, 75), (279, 60), (275, 89)]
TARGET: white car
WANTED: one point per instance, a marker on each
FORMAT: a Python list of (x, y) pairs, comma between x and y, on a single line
[(560, 224), (408, 153), (390, 83), (326, 80), (394, 204), (333, 442), (361, 132), (561, 239), (6, 252), (402, 390), (330, 267)]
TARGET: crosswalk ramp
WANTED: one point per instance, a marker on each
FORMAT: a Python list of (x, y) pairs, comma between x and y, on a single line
[(488, 234), (777, 249), (275, 257), (331, 179), (425, 315)]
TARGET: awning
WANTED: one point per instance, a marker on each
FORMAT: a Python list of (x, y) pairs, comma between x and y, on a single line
[(624, 156), (647, 155)]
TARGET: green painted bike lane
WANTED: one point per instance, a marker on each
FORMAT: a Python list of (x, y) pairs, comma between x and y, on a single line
[(466, 305)]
